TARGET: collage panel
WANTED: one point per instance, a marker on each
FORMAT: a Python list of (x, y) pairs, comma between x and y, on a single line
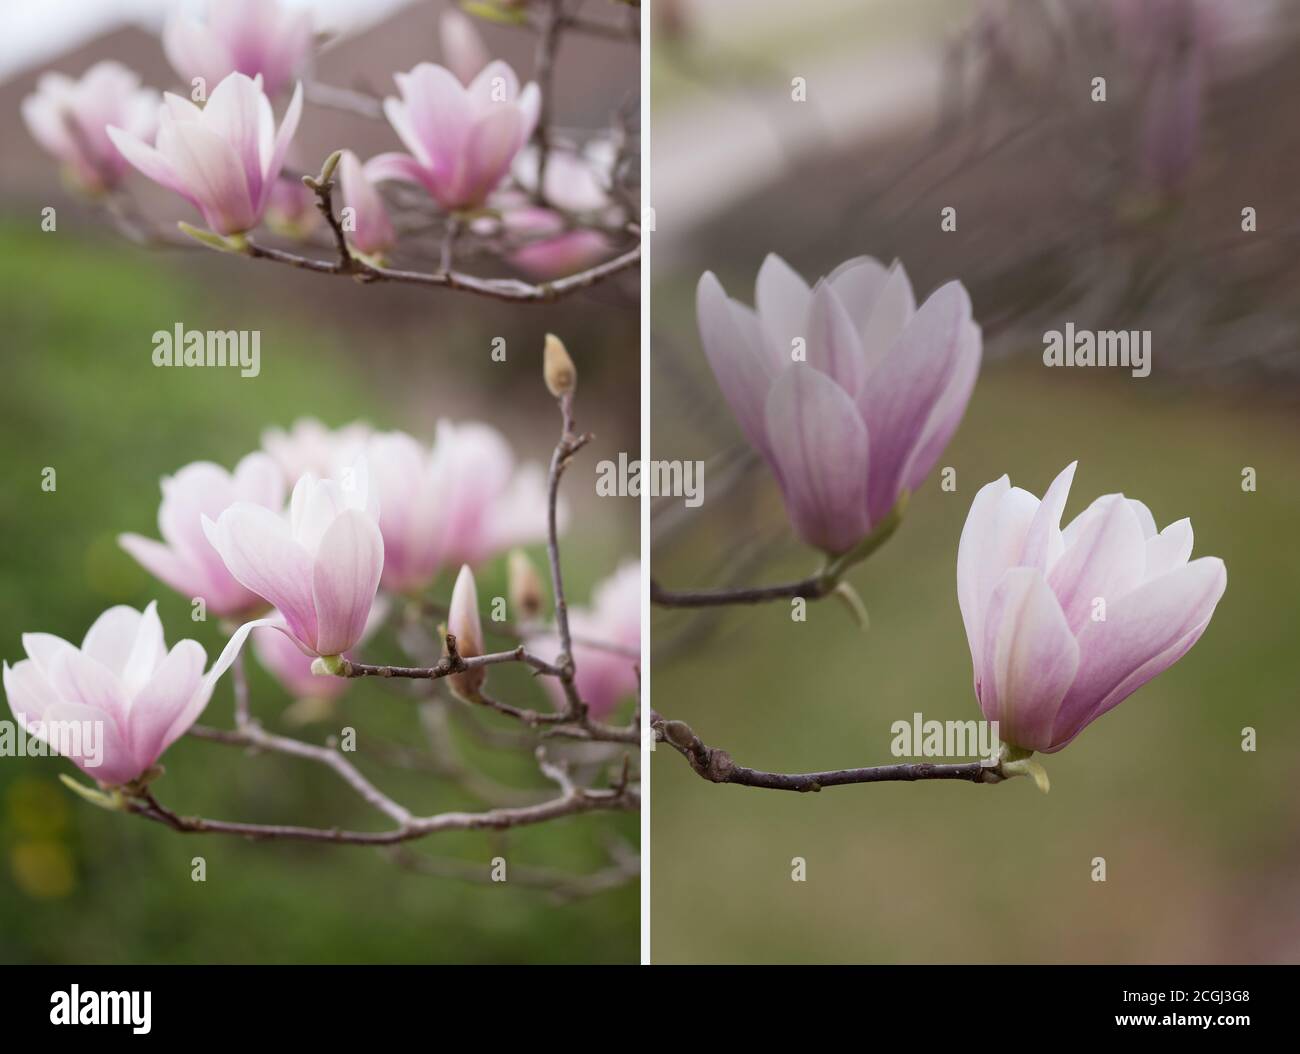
[(976, 326), (322, 328)]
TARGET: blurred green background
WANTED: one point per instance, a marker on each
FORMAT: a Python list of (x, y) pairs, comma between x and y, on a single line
[(81, 395), (1199, 837)]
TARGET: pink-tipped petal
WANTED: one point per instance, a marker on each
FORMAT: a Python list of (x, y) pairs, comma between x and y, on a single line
[(734, 347), (834, 346), (782, 299), (348, 566), (903, 391), (1104, 560), (258, 551), (819, 453), (1144, 633), (1030, 659)]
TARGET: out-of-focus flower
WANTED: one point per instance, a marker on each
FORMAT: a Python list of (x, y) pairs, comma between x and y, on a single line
[(463, 50), (405, 478), (461, 502), (576, 180), (291, 210), (251, 37), (554, 255), (116, 703), (320, 568), (1064, 625), (463, 623), (310, 446), (848, 390), (70, 119), (370, 231), (223, 159), (462, 140), (488, 503), (185, 559), (603, 676)]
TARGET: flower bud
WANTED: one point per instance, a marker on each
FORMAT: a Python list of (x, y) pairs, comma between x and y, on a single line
[(558, 369), (463, 624), (524, 586)]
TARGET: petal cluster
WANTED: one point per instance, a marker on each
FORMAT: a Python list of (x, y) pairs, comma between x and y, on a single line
[(138, 696), (223, 159), (461, 502), (252, 37), (70, 119), (848, 389), (461, 139), (185, 559), (1065, 624), (320, 566)]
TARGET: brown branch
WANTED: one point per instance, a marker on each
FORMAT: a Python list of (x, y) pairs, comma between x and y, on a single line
[(570, 443), (582, 801), (716, 766), (812, 588)]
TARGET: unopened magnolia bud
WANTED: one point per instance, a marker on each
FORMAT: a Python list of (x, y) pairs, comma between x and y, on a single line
[(463, 624), (524, 586), (557, 367)]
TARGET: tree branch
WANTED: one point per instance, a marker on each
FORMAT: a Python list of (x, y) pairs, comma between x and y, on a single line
[(716, 766)]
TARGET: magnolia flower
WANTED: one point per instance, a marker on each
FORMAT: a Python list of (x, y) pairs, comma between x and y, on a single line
[(461, 502), (320, 567), (848, 390), (464, 624), (251, 37), (603, 675), (463, 50), (1064, 625), (309, 446), (550, 250), (223, 159), (185, 559), (70, 118), (368, 227), (116, 703), (461, 139), (487, 504), (291, 209)]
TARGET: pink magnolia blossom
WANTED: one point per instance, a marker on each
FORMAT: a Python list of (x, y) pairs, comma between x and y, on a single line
[(122, 683), (310, 446), (291, 210), (463, 50), (848, 390), (369, 230), (1064, 625), (252, 37), (320, 567), (70, 119), (223, 159), (462, 139), (185, 559), (461, 502), (603, 676), (488, 502)]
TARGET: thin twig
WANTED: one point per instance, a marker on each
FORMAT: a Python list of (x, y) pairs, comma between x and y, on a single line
[(716, 766)]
